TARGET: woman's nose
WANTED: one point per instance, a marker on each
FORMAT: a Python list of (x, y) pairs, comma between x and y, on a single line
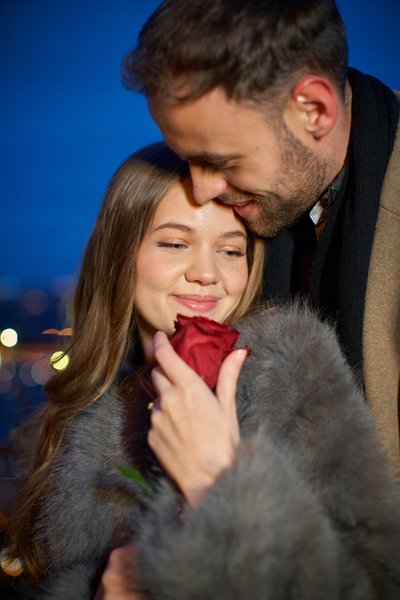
[(203, 269), (207, 184)]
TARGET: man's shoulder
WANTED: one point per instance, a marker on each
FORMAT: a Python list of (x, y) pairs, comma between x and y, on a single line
[(397, 94)]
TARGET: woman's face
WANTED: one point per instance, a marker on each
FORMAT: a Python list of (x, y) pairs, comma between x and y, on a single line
[(192, 261)]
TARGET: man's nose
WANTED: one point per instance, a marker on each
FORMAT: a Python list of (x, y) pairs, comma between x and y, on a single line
[(207, 184)]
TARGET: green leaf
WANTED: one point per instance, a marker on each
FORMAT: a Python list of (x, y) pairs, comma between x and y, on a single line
[(134, 475)]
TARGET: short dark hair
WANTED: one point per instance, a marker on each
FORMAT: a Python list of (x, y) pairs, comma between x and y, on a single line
[(247, 47)]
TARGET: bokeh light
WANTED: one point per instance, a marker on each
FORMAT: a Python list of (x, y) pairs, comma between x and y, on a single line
[(5, 386), (35, 301), (25, 374), (9, 337), (59, 360), (41, 371), (7, 370), (62, 285), (8, 380), (7, 373)]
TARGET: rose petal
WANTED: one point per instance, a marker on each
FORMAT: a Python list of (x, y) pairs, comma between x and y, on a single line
[(203, 344)]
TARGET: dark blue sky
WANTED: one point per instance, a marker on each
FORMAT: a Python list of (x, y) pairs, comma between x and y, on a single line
[(67, 122)]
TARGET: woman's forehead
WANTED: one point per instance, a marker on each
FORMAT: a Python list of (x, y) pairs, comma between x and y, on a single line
[(178, 207), (178, 204)]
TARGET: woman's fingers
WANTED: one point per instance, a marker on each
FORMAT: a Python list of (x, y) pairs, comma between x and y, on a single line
[(119, 580), (160, 381), (228, 377), (195, 433), (172, 365)]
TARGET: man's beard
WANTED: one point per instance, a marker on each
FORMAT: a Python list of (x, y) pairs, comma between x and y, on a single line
[(302, 181)]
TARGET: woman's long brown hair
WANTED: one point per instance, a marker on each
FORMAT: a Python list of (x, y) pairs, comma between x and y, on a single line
[(104, 322)]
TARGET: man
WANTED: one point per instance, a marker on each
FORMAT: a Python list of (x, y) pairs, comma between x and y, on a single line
[(258, 98)]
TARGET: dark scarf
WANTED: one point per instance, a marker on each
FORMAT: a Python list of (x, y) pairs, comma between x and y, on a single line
[(338, 279)]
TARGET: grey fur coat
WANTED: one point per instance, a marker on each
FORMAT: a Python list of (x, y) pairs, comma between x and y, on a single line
[(309, 510)]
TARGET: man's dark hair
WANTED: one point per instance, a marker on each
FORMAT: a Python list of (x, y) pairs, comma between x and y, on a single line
[(248, 47)]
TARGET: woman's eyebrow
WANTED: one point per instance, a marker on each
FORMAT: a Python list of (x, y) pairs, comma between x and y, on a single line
[(172, 225), (187, 229), (235, 233)]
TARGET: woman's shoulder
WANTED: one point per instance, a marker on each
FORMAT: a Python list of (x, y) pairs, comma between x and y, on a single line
[(287, 322), (106, 409), (296, 364), (292, 335), (97, 429)]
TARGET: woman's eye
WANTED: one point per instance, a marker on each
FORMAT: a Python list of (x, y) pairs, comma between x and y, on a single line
[(233, 252), (172, 245)]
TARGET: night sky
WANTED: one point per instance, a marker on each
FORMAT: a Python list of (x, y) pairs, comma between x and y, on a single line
[(67, 122)]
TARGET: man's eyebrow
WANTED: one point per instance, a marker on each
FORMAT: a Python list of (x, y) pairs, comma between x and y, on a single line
[(210, 158)]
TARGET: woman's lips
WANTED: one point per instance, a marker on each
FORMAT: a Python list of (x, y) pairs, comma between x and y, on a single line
[(201, 304)]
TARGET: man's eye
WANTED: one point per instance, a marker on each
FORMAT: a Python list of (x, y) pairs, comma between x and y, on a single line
[(219, 166), (210, 166)]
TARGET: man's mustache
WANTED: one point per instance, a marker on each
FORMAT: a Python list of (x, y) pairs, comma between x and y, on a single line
[(239, 198)]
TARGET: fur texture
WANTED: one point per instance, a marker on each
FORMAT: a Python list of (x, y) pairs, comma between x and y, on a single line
[(309, 510)]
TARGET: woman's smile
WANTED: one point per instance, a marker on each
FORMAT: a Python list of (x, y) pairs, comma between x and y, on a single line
[(197, 303)]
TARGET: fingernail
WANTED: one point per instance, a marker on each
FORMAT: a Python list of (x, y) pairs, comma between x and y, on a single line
[(241, 354)]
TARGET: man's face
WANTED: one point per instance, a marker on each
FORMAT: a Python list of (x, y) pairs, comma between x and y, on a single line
[(236, 155)]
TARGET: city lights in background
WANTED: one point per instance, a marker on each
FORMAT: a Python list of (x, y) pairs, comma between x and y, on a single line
[(31, 364), (32, 345), (59, 360), (9, 337)]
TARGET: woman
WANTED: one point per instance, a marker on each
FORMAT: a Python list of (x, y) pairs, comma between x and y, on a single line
[(153, 254), (299, 505)]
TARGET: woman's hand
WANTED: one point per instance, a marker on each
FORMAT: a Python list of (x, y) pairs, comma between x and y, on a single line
[(119, 580), (194, 433)]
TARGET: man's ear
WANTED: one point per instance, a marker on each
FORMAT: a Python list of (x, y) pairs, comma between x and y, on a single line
[(314, 105)]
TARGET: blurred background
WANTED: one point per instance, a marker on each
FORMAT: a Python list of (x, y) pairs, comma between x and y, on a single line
[(66, 124)]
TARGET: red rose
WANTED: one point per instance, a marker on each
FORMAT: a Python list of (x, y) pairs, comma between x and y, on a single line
[(203, 344)]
